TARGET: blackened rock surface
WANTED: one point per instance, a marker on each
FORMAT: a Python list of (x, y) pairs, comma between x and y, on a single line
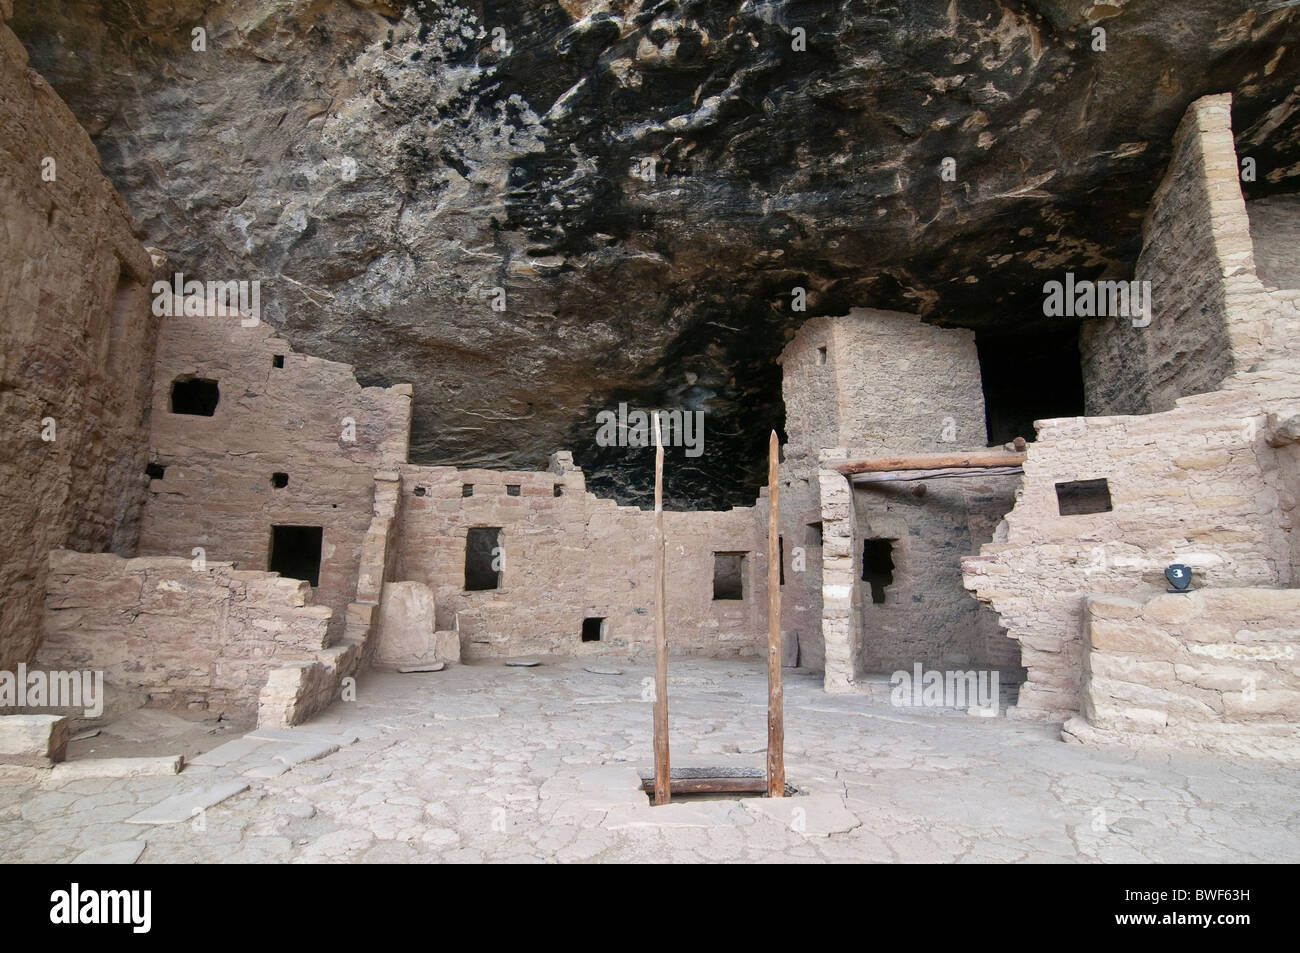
[(646, 181)]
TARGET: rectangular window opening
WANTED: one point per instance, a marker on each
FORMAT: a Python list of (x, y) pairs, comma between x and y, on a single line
[(467, 489), (780, 552), (483, 558), (512, 489), (878, 566), (728, 576), (821, 355), (815, 534), (195, 396), (279, 480), (295, 552), (1083, 496), (593, 629), (559, 489), (155, 471)]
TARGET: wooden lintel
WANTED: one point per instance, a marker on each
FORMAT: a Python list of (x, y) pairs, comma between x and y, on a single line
[(891, 476), (934, 461)]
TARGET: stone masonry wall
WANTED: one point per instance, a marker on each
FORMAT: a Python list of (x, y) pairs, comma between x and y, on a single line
[(927, 616), (75, 344), (1198, 485), (1211, 315), (575, 556), (1205, 483), (179, 636), (1215, 669), (216, 491), (879, 381)]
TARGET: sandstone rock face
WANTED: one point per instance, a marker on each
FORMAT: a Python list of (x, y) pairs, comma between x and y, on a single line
[(76, 338), (647, 185)]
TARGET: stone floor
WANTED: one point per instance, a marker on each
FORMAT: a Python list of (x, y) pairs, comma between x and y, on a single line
[(491, 763)]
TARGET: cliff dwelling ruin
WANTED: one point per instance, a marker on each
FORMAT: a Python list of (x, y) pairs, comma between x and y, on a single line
[(301, 508)]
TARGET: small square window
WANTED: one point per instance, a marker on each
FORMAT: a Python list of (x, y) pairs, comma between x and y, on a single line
[(279, 480), (467, 489), (559, 489), (593, 629), (512, 489), (420, 491), (1082, 497), (154, 471), (277, 360), (195, 396)]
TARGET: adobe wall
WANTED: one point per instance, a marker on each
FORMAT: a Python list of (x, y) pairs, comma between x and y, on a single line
[(176, 635), (216, 491), (574, 556), (75, 345), (1215, 669)]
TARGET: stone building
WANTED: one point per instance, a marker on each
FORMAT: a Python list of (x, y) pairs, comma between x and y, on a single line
[(223, 523)]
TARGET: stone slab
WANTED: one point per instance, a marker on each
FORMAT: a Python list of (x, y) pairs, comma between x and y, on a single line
[(181, 807), (37, 740), (123, 852), (117, 767)]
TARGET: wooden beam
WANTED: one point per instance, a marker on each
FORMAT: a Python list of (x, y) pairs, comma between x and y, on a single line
[(713, 786), (775, 699), (938, 474), (934, 461), (662, 782)]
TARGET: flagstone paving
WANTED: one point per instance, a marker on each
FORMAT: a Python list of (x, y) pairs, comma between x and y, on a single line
[(491, 763)]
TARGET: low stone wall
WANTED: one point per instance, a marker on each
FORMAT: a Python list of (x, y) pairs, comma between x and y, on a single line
[(566, 556), (184, 637), (1215, 669)]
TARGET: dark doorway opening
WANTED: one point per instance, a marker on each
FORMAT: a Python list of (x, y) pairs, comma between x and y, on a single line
[(482, 552), (729, 576), (295, 552), (593, 629), (1028, 377), (878, 566), (195, 396)]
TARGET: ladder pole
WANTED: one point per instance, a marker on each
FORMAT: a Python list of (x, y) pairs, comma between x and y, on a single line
[(775, 698), (663, 785)]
